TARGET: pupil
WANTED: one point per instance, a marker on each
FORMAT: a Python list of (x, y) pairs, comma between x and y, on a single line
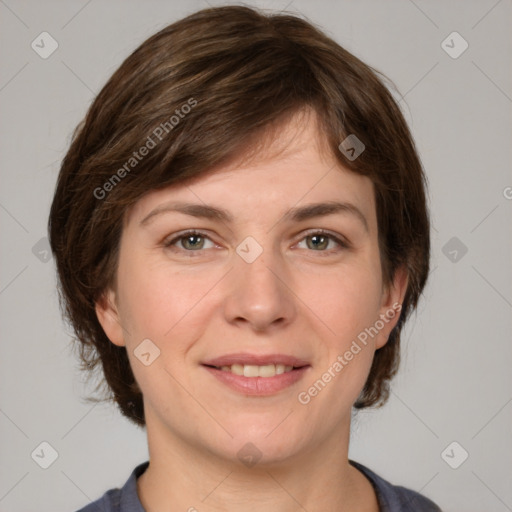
[(320, 239), (190, 240)]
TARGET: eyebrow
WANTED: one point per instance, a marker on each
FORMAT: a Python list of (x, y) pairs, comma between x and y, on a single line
[(296, 214)]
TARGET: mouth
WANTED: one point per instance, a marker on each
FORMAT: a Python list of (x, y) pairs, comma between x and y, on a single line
[(257, 374)]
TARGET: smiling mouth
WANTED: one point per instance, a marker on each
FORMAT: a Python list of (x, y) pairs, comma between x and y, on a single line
[(257, 374), (251, 370)]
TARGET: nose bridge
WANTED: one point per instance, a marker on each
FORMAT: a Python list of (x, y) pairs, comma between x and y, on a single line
[(259, 294), (258, 271)]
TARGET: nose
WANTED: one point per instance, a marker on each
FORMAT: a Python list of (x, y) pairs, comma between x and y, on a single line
[(260, 294)]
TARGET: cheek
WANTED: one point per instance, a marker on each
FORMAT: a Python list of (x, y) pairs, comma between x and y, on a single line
[(168, 309), (345, 301), (148, 295), (164, 305), (345, 351)]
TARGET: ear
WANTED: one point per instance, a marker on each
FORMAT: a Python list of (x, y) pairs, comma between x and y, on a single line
[(108, 316), (392, 298)]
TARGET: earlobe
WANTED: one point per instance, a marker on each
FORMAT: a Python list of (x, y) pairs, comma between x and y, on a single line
[(108, 316), (392, 300)]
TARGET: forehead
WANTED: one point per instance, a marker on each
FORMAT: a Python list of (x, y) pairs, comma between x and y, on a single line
[(289, 164)]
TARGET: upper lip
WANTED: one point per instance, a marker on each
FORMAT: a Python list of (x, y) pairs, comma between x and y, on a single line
[(255, 359)]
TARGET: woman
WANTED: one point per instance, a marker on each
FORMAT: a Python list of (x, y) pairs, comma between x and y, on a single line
[(240, 231)]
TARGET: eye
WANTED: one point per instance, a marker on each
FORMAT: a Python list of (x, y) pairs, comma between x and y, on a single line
[(195, 241), (323, 241), (189, 241)]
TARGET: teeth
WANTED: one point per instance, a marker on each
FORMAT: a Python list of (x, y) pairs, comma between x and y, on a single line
[(251, 370), (279, 369)]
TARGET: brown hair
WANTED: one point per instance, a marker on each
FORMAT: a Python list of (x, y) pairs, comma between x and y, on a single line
[(194, 95)]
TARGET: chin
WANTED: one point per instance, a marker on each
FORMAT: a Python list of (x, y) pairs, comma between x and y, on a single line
[(268, 441)]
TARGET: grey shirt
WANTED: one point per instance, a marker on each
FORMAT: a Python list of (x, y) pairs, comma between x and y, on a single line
[(391, 498)]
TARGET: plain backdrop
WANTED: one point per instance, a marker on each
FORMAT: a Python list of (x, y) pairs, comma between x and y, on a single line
[(455, 381)]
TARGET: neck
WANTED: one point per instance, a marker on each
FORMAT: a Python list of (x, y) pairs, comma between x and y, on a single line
[(182, 477)]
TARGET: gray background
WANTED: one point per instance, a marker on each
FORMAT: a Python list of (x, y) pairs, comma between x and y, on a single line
[(455, 379)]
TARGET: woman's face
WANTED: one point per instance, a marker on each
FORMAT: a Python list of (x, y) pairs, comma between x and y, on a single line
[(266, 284)]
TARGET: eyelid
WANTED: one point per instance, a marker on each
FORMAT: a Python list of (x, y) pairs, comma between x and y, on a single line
[(336, 237), (175, 237)]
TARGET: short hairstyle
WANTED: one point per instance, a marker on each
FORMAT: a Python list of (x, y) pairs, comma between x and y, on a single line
[(194, 95)]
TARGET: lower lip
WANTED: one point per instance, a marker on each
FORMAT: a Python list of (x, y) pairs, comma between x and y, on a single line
[(258, 386)]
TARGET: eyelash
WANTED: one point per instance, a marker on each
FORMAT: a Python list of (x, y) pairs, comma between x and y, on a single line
[(341, 243)]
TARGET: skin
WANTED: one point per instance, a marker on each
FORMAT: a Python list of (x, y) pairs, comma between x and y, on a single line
[(297, 298)]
